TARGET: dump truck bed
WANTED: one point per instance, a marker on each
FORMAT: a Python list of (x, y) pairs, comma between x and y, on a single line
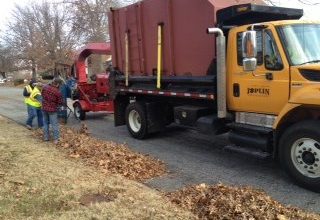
[(187, 49)]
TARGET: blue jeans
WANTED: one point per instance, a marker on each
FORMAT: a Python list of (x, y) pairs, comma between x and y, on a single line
[(32, 113), (52, 119)]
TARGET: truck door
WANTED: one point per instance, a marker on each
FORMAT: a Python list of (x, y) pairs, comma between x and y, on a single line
[(265, 90)]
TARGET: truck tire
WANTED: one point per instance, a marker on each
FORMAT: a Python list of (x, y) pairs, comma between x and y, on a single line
[(136, 120), (299, 153), (78, 112)]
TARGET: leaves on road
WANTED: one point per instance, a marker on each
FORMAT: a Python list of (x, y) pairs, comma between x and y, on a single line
[(225, 202)]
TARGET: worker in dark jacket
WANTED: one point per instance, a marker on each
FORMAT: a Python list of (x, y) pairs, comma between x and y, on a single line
[(51, 100), (28, 89)]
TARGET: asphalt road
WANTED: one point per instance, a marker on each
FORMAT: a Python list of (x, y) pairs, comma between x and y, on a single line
[(192, 158)]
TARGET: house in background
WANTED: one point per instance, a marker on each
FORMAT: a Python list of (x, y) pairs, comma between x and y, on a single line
[(20, 74)]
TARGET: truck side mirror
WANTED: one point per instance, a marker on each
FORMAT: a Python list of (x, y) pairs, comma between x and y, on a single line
[(249, 50)]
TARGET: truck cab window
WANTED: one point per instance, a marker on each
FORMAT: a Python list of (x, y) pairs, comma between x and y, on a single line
[(259, 48), (272, 59)]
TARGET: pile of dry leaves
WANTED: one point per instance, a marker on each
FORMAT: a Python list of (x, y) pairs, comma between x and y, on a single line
[(109, 156), (225, 202)]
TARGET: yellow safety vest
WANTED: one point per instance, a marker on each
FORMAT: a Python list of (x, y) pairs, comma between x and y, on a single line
[(32, 99), (29, 90)]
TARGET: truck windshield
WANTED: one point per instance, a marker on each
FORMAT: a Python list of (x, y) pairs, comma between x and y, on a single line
[(301, 42)]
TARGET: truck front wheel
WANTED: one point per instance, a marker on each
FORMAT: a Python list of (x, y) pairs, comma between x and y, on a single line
[(299, 153), (136, 120)]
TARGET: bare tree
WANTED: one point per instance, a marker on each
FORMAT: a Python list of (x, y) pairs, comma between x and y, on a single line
[(53, 21), (45, 33), (40, 35), (90, 18), (23, 37), (7, 63)]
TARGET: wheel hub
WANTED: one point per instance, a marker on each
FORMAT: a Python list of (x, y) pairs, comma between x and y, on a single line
[(308, 158), (135, 121), (77, 111), (305, 154)]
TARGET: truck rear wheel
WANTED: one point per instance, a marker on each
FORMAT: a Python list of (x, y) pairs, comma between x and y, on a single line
[(136, 120), (300, 154)]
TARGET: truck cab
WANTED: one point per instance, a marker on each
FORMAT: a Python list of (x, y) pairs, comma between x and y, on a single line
[(287, 65), (276, 101)]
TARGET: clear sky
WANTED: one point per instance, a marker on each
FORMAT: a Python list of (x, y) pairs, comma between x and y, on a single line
[(311, 12)]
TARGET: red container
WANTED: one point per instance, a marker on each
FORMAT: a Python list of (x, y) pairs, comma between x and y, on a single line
[(187, 49)]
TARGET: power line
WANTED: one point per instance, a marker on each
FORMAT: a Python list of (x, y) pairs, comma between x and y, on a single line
[(308, 2), (305, 2)]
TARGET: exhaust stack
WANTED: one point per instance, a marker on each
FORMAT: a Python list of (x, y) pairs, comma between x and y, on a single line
[(221, 71)]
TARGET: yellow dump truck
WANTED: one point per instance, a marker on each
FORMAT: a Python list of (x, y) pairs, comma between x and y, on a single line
[(250, 70)]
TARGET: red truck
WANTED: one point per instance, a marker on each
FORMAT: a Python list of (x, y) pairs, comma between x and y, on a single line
[(258, 79)]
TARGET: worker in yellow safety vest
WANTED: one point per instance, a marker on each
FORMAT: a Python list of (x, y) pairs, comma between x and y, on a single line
[(33, 101), (26, 93)]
